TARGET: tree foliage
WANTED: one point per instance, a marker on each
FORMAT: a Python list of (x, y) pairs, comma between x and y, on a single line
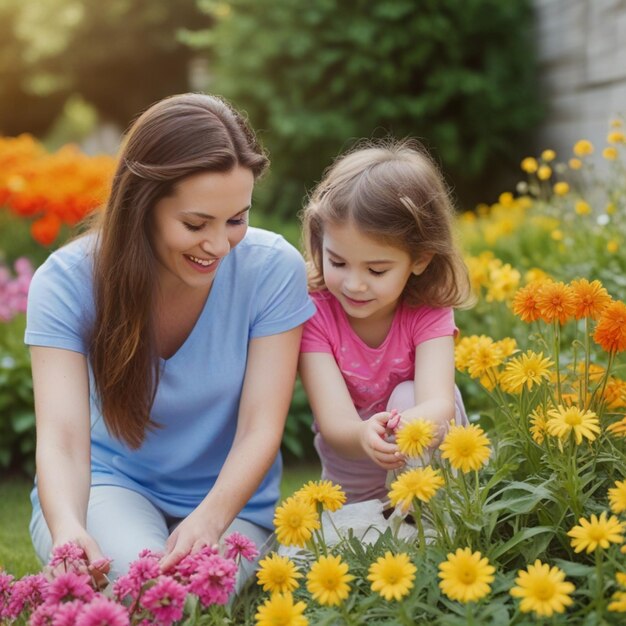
[(315, 76)]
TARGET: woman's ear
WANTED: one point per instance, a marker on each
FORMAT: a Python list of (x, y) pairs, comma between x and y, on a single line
[(421, 264)]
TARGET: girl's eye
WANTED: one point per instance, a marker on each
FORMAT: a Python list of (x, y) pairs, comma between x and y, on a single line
[(192, 227), (335, 263), (379, 273)]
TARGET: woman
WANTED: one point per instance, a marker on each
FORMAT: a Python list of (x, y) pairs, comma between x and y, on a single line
[(164, 347)]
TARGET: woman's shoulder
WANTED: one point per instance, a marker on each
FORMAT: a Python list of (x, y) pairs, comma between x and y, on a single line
[(76, 257), (267, 246)]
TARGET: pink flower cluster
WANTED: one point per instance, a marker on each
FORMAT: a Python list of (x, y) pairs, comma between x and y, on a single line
[(14, 290), (66, 593)]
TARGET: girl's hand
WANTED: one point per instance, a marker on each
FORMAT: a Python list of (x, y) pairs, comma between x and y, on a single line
[(373, 441), (440, 430), (94, 555), (189, 537)]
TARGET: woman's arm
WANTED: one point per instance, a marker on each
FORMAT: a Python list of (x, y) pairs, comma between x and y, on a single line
[(265, 399), (61, 387), (434, 385), (338, 420)]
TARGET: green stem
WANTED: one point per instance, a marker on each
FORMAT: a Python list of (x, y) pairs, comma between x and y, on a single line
[(599, 603), (557, 347), (417, 514)]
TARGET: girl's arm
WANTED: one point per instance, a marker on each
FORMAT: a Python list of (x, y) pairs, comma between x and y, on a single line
[(337, 419), (61, 388), (265, 399), (434, 385)]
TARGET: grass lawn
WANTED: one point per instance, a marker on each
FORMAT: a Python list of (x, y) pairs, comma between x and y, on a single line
[(16, 553)]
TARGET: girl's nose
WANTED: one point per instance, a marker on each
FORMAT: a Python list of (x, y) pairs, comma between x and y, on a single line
[(355, 283)]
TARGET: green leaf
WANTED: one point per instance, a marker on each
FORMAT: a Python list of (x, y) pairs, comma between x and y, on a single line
[(518, 538)]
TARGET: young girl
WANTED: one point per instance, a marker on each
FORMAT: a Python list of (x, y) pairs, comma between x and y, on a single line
[(384, 273)]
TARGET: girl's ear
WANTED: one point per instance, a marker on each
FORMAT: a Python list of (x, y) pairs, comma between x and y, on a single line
[(420, 265)]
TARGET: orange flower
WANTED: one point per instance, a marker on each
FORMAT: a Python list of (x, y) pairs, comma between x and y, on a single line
[(610, 332), (525, 303), (591, 298), (556, 302), (618, 428), (45, 229), (615, 393)]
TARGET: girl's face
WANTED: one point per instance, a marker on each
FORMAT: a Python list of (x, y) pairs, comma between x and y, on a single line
[(199, 224), (365, 275)]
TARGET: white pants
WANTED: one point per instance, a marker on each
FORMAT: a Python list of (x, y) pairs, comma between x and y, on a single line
[(124, 522)]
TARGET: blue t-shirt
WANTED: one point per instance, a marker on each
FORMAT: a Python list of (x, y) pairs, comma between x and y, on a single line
[(259, 290)]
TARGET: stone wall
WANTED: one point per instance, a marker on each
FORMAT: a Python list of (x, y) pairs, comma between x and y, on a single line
[(582, 64)]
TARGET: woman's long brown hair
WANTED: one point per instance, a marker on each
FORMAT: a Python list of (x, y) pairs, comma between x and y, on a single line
[(173, 139)]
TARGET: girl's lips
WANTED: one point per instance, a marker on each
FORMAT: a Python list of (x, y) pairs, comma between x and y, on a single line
[(199, 267), (356, 302)]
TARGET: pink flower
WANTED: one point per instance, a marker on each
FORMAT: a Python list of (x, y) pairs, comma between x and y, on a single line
[(43, 615), (103, 612), (165, 600), (70, 586), (5, 593), (27, 594), (66, 553), (144, 569), (214, 580), (187, 566), (241, 546), (126, 587), (67, 613)]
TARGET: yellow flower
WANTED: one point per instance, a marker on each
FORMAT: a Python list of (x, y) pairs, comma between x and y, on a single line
[(557, 234), (582, 208), (618, 429), (620, 579), (466, 576), (556, 301), (392, 575), (295, 521), (610, 153), (612, 246), (543, 589), (544, 172), (414, 436), (322, 492), (467, 447), (538, 423), (421, 483), (528, 370), (529, 165), (504, 280), (616, 136), (278, 574), (561, 188), (484, 358), (506, 198), (548, 155), (280, 610), (597, 532), (615, 393), (583, 148), (575, 164), (610, 208), (328, 579), (619, 602), (617, 497), (570, 419), (617, 123)]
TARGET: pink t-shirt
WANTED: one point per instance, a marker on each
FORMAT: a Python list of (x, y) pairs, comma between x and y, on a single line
[(371, 375)]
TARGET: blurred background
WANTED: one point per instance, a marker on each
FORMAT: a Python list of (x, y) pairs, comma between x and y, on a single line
[(483, 83)]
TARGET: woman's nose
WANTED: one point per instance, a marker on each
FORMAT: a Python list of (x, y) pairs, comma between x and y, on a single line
[(217, 245)]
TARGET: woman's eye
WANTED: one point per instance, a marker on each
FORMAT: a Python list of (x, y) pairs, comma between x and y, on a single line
[(237, 222), (192, 227)]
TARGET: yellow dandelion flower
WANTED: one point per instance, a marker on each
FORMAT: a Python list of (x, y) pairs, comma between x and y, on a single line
[(538, 423), (467, 447), (544, 172), (328, 579), (615, 393), (543, 590), (597, 532), (610, 208), (506, 347), (466, 576), (529, 165), (503, 281), (616, 136), (392, 575), (527, 370), (612, 246), (620, 579), (618, 605), (324, 493), (557, 235), (582, 208), (618, 429), (483, 359), (506, 198), (561, 188), (617, 497), (534, 275), (548, 155), (295, 520), (583, 148), (414, 436), (420, 483), (616, 123), (575, 164), (610, 153), (280, 610), (278, 574), (570, 419)]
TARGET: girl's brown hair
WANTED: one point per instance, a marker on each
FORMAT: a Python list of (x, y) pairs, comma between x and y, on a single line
[(393, 192), (175, 138)]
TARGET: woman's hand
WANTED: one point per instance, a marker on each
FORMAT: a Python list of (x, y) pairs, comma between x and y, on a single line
[(190, 536), (374, 443)]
